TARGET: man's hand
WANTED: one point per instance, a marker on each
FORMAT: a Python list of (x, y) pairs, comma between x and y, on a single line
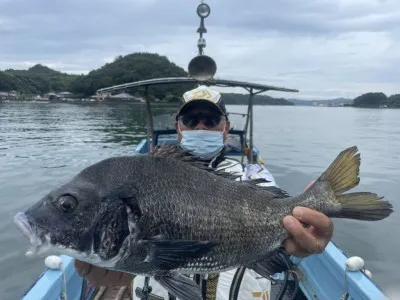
[(102, 277), (310, 240)]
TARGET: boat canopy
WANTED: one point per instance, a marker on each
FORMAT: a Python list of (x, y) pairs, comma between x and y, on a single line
[(251, 88)]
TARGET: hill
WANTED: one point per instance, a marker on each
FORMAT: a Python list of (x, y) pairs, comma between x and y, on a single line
[(36, 80), (132, 67), (375, 100), (137, 66)]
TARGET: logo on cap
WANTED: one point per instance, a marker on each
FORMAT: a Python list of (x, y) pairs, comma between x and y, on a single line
[(202, 93)]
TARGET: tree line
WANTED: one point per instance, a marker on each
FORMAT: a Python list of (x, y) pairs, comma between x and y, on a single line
[(40, 80)]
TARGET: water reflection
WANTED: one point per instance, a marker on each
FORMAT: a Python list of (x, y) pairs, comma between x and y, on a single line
[(128, 122)]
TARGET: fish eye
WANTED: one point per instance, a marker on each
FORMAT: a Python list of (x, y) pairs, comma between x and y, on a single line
[(67, 203)]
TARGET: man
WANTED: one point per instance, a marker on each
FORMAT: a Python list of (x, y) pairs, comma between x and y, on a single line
[(202, 125)]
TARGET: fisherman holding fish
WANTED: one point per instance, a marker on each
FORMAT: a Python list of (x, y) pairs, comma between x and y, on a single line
[(203, 125), (182, 219)]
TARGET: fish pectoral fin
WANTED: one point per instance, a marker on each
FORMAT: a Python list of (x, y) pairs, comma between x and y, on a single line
[(171, 254), (180, 286), (276, 263)]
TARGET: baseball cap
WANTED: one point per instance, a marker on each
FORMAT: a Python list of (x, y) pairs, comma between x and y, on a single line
[(202, 94)]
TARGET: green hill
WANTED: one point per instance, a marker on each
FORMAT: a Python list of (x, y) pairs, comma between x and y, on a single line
[(374, 100), (36, 80), (137, 66), (132, 67)]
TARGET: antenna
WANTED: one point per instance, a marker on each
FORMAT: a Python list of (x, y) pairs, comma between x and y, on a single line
[(203, 11), (202, 67)]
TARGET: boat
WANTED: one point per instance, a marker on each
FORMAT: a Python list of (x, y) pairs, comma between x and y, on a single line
[(331, 275)]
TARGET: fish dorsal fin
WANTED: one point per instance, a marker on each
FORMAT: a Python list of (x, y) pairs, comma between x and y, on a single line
[(170, 151), (176, 152)]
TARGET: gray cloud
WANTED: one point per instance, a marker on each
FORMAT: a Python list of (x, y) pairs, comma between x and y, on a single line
[(327, 48)]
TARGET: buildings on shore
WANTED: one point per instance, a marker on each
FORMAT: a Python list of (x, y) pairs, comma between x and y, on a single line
[(329, 104), (66, 97), (15, 96)]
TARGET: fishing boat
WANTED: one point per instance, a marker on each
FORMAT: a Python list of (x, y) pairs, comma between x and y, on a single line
[(331, 275)]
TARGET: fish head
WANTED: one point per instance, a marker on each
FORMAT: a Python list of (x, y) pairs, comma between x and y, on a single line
[(85, 218)]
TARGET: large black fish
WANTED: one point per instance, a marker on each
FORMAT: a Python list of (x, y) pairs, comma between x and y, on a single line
[(162, 215)]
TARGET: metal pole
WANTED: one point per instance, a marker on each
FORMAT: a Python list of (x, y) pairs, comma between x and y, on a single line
[(246, 126), (251, 124), (149, 120)]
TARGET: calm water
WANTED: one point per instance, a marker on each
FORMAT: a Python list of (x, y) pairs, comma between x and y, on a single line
[(42, 145)]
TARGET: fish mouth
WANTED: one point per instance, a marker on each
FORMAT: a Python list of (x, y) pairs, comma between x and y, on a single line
[(38, 237)]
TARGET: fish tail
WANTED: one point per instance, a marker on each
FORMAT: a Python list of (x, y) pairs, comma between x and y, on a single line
[(343, 175)]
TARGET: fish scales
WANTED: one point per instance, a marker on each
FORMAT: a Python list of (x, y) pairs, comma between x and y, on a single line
[(199, 206)]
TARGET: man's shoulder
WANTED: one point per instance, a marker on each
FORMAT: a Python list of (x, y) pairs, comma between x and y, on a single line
[(230, 165)]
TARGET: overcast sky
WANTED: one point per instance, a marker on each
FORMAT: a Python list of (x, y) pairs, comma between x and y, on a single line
[(324, 48)]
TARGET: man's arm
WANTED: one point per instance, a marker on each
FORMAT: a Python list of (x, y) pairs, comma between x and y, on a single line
[(102, 277)]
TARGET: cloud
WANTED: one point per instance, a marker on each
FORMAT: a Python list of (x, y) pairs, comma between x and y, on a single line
[(325, 48)]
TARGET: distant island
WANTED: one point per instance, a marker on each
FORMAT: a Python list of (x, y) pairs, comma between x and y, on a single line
[(375, 100), (40, 83)]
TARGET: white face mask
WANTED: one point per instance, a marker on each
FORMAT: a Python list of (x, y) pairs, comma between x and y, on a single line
[(203, 143)]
